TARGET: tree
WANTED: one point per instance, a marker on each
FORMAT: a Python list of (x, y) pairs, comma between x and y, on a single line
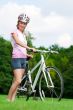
[(5, 65)]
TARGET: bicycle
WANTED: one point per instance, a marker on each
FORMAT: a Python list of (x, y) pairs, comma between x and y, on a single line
[(50, 80)]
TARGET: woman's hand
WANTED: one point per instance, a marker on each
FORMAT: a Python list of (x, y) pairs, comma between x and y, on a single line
[(33, 49), (29, 56)]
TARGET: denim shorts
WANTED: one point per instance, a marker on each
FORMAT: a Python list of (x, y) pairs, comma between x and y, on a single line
[(18, 63)]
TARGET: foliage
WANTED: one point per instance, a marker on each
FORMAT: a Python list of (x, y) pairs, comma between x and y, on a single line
[(63, 61)]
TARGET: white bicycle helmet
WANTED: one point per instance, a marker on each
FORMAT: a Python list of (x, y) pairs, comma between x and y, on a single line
[(24, 18)]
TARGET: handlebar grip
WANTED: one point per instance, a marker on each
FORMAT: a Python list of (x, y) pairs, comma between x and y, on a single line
[(30, 50)]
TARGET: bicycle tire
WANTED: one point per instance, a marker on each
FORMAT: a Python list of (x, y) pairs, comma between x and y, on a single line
[(52, 92)]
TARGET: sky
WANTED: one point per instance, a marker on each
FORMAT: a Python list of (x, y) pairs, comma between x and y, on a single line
[(51, 21)]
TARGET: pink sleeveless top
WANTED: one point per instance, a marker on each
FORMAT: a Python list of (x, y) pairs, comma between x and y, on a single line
[(18, 51)]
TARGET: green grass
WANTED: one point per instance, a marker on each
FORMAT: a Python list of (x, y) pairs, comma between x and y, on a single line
[(22, 104)]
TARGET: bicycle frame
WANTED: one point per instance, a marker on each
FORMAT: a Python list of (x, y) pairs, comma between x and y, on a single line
[(42, 67)]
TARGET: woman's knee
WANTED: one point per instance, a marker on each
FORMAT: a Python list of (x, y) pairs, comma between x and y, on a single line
[(18, 81), (18, 74)]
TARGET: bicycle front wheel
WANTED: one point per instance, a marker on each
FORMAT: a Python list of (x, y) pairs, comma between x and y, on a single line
[(54, 86)]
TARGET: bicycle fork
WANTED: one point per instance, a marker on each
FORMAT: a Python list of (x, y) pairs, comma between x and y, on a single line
[(45, 72), (46, 79)]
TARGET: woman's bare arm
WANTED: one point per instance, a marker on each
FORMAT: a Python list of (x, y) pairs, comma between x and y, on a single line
[(14, 35)]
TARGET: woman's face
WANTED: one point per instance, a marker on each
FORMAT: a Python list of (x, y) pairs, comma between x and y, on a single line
[(21, 26)]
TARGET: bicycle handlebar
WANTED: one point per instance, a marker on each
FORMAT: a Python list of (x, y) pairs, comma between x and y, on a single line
[(45, 51)]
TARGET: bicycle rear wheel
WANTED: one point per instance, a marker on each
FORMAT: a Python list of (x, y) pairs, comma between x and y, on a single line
[(55, 91)]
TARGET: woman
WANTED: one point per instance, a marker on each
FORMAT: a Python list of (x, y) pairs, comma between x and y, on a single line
[(19, 54)]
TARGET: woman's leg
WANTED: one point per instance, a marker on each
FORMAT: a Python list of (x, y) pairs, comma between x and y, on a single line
[(15, 92), (18, 74)]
